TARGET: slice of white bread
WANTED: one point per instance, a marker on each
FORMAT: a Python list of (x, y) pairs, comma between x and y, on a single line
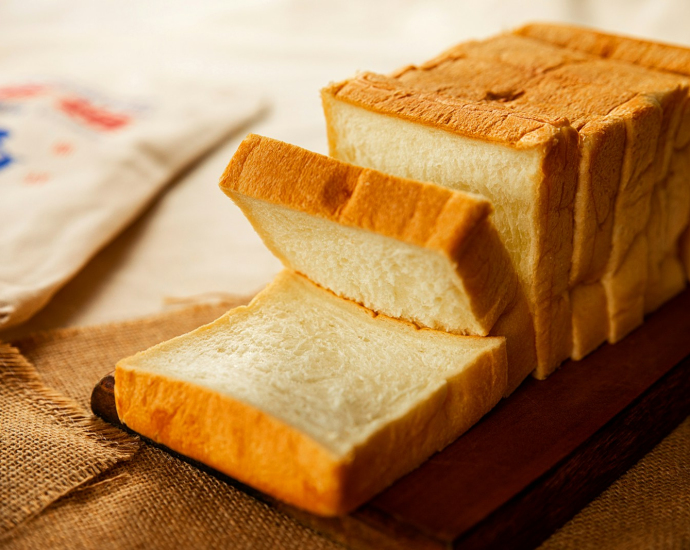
[(310, 398), (626, 117), (526, 166), (407, 249)]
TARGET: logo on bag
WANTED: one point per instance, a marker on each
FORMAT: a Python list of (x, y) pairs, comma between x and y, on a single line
[(5, 158), (81, 105), (91, 114)]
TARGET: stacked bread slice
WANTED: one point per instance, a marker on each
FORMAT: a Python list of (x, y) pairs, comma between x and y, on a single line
[(309, 395), (594, 238)]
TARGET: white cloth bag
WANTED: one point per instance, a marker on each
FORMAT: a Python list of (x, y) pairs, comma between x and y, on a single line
[(78, 165)]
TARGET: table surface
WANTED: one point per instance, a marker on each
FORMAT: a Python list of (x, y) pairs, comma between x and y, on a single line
[(193, 242)]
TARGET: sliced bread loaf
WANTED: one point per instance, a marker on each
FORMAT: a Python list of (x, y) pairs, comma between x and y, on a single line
[(407, 249), (626, 118), (670, 202), (310, 398)]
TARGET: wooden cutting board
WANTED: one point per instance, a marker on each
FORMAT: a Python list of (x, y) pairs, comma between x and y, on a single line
[(535, 460)]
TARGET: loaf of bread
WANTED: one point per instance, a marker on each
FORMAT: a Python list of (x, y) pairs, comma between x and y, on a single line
[(627, 119), (403, 248), (308, 397), (404, 313)]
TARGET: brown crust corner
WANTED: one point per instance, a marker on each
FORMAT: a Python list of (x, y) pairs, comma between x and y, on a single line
[(184, 417)]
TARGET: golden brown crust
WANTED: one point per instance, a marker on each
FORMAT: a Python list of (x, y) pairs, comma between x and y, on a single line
[(602, 148), (517, 325), (668, 64), (417, 213), (653, 55), (643, 118), (590, 318), (528, 57), (523, 76), (502, 88)]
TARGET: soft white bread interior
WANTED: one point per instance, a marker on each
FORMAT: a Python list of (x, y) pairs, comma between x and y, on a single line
[(403, 248), (310, 398)]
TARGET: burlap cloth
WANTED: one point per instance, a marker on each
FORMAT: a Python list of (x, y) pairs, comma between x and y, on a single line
[(49, 445), (153, 500)]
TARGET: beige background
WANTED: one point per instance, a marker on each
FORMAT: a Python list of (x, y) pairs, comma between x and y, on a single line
[(192, 243)]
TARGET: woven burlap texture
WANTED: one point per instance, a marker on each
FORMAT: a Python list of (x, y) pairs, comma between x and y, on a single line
[(154, 500), (157, 501), (48, 444), (647, 508)]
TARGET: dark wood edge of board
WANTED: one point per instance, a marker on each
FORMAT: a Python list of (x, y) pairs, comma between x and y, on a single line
[(532, 515)]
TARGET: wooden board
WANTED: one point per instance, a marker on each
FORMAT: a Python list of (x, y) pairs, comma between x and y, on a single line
[(535, 460)]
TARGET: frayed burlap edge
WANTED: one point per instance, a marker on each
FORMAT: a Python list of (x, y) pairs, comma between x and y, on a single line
[(15, 369)]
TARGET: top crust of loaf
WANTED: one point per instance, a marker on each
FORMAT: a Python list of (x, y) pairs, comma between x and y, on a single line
[(493, 123), (417, 213), (653, 55), (509, 88)]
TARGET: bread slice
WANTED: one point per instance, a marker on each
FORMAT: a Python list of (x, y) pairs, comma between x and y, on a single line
[(407, 249), (526, 166), (310, 398), (669, 210), (621, 113)]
